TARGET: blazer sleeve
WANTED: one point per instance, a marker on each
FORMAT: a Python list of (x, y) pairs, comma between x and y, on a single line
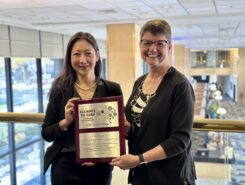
[(50, 128), (181, 120)]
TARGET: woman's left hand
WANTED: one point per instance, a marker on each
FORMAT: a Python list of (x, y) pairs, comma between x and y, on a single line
[(125, 162)]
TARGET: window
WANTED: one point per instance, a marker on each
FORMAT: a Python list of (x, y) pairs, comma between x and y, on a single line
[(50, 69), (4, 144), (210, 59), (24, 84), (25, 149)]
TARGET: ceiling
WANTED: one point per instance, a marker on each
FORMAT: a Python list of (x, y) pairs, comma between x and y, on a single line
[(198, 24)]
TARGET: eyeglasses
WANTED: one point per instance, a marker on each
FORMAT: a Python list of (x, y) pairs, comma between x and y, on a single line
[(159, 44)]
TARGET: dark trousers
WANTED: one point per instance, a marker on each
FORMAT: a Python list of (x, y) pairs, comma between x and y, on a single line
[(65, 171), (140, 176)]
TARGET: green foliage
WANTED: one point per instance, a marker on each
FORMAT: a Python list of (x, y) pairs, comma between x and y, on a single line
[(213, 107)]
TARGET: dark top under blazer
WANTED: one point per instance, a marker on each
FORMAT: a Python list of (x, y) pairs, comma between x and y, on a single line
[(167, 120), (55, 112)]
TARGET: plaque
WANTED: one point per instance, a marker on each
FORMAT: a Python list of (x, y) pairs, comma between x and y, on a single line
[(99, 129)]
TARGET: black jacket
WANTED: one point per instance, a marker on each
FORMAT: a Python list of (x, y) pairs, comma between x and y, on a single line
[(55, 112), (166, 120)]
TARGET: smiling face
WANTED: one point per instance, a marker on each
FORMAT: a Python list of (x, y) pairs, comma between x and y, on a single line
[(84, 58), (154, 49)]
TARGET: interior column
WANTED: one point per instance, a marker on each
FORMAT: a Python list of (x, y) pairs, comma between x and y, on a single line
[(124, 61)]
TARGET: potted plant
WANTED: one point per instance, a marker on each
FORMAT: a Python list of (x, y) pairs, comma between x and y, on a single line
[(212, 109)]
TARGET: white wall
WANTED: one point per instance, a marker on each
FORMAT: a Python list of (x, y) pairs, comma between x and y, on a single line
[(231, 83)]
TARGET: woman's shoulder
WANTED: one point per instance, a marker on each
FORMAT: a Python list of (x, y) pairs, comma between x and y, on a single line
[(56, 91), (180, 82), (112, 88), (178, 77), (56, 87), (109, 83), (139, 80)]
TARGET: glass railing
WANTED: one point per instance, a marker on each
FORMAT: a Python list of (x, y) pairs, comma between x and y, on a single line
[(218, 150)]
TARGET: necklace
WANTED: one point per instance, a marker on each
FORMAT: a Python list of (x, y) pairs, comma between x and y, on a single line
[(85, 88), (85, 94)]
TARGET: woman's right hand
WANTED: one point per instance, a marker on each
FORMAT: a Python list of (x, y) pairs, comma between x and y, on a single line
[(69, 110)]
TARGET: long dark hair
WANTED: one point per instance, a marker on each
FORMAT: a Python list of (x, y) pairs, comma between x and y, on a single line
[(67, 77)]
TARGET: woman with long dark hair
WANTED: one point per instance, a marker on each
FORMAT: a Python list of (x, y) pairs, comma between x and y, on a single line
[(79, 79)]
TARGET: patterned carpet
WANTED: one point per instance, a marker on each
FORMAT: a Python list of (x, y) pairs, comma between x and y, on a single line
[(234, 110)]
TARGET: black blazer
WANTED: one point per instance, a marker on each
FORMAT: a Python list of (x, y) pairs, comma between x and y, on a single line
[(55, 112), (166, 120)]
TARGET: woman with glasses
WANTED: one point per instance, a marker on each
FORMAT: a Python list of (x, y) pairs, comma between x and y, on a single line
[(160, 116), (79, 79)]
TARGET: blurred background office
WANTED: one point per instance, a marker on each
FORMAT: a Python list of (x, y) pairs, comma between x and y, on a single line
[(208, 47)]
